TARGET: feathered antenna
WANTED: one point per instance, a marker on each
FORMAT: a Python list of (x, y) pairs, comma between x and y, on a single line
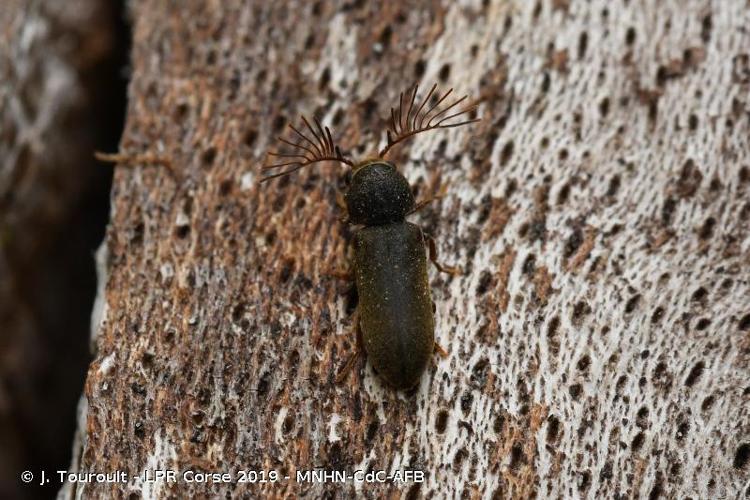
[(309, 151), (405, 126)]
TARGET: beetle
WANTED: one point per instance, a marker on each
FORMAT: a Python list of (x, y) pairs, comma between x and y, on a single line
[(394, 319)]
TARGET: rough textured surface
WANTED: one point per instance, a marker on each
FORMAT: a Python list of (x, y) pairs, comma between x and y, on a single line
[(600, 335), (57, 82)]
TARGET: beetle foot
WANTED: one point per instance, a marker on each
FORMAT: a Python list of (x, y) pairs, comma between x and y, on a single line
[(341, 203), (342, 274), (439, 349), (453, 271), (347, 367), (132, 159)]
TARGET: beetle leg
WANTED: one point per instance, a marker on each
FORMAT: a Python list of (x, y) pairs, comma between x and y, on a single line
[(345, 273), (354, 357), (342, 274), (441, 194), (132, 159), (347, 367), (341, 202), (419, 206), (433, 258)]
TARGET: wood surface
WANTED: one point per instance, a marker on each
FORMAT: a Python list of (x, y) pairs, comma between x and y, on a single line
[(599, 335)]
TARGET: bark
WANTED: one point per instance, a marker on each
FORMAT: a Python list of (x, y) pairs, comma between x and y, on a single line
[(599, 336)]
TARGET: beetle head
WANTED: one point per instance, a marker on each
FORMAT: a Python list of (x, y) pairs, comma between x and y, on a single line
[(378, 194)]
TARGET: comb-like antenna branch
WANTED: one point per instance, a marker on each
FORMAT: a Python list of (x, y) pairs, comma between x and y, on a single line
[(330, 139), (322, 137), (319, 148), (315, 135), (448, 108), (434, 106), (458, 113), (400, 107), (306, 138), (284, 155), (301, 146), (424, 101), (403, 127), (411, 105)]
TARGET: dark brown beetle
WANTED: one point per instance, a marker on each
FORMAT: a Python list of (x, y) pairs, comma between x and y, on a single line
[(395, 315)]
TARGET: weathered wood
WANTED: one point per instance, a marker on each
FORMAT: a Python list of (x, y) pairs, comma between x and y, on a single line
[(598, 339)]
